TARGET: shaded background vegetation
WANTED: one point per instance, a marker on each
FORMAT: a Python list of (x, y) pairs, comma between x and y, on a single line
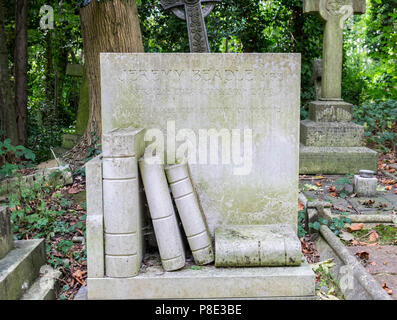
[(369, 73)]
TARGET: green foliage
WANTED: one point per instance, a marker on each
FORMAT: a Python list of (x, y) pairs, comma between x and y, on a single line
[(370, 67), (14, 158), (301, 220), (335, 226), (379, 119), (341, 183)]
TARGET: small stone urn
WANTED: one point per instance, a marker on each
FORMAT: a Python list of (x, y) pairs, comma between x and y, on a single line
[(365, 183)]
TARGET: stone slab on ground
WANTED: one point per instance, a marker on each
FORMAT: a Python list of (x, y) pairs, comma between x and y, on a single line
[(44, 287), (208, 282), (384, 269), (20, 268), (365, 205), (336, 160)]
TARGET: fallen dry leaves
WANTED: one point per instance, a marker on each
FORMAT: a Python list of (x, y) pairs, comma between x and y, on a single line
[(387, 289), (301, 206), (355, 227), (363, 255), (373, 237)]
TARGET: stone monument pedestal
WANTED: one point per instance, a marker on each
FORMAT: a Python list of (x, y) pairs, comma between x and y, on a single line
[(331, 143), (208, 282)]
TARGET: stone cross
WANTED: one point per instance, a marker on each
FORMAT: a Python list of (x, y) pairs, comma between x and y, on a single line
[(194, 14), (335, 13)]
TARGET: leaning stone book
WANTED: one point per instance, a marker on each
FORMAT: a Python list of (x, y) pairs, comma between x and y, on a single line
[(165, 224)]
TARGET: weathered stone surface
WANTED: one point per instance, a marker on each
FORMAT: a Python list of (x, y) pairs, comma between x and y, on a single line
[(94, 223), (336, 160), (332, 134), (70, 140), (334, 13), (261, 92), (209, 282), (168, 236), (330, 111), (365, 187), (75, 70), (44, 287), (312, 6), (254, 246), (193, 219), (6, 239), (373, 204), (56, 176), (20, 267)]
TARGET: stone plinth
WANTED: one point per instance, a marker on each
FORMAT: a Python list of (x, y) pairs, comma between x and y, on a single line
[(190, 101), (331, 143), (209, 282), (332, 134)]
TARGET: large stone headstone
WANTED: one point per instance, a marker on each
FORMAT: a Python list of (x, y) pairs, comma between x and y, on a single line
[(188, 101)]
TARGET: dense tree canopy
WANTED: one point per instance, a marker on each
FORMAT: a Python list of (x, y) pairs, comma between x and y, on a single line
[(369, 74)]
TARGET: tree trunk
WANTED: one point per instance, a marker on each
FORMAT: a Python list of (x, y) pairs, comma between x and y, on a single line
[(7, 106), (110, 26), (21, 67)]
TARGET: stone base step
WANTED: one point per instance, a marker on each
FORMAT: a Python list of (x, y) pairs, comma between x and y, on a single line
[(20, 268), (332, 134), (44, 287), (208, 282), (336, 160)]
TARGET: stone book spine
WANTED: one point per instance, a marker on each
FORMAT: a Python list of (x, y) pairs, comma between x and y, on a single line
[(192, 217), (166, 229), (122, 203)]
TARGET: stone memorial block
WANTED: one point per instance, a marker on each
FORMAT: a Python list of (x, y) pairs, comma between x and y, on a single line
[(331, 143), (234, 116)]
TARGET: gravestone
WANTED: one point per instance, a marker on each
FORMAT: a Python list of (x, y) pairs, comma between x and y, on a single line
[(23, 272), (78, 71), (330, 142), (235, 119), (194, 14)]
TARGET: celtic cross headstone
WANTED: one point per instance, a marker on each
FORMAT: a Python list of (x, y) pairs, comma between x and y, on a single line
[(194, 12), (335, 13)]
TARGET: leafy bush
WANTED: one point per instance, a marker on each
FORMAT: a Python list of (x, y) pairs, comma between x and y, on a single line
[(379, 119), (13, 158)]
